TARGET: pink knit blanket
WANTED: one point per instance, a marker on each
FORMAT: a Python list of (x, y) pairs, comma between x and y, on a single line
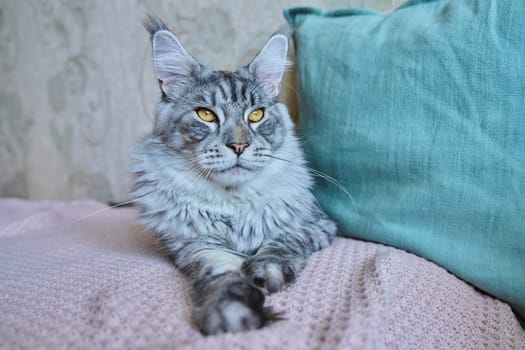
[(77, 275)]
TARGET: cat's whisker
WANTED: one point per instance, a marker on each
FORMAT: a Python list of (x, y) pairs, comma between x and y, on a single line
[(102, 210), (303, 140), (335, 183), (194, 168), (96, 212), (208, 173), (291, 87), (326, 177), (262, 86), (198, 176)]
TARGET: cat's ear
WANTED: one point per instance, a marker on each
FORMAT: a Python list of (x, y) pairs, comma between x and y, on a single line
[(269, 65), (174, 66)]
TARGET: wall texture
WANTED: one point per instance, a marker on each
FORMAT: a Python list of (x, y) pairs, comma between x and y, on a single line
[(77, 85)]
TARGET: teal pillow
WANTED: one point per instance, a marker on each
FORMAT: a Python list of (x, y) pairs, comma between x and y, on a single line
[(420, 115)]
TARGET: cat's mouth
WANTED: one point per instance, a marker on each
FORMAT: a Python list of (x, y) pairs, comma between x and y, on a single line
[(234, 168)]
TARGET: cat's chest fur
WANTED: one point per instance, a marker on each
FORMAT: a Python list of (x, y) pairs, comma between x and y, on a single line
[(238, 219)]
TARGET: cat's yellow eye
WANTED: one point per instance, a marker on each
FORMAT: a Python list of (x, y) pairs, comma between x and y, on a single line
[(256, 115), (206, 115)]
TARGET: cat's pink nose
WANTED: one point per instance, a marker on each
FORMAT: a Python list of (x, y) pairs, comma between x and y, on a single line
[(238, 148)]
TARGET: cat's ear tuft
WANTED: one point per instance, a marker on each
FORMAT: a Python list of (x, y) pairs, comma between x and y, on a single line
[(269, 65), (174, 66), (154, 24)]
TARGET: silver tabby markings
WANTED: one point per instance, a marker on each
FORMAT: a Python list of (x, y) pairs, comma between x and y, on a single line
[(222, 181)]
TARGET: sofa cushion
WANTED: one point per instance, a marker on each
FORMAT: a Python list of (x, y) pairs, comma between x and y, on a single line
[(420, 115)]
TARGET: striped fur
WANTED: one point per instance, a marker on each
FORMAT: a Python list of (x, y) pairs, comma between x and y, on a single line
[(236, 226)]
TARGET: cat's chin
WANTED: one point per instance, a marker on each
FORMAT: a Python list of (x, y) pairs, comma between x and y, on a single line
[(233, 177)]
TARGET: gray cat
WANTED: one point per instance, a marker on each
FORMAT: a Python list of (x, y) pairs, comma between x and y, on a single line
[(222, 182)]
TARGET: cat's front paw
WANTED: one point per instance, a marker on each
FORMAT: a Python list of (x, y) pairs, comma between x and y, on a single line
[(268, 273), (237, 307)]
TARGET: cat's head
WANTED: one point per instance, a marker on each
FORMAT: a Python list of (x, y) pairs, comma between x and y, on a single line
[(225, 125)]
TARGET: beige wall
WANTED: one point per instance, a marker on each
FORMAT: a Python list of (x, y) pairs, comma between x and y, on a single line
[(77, 87)]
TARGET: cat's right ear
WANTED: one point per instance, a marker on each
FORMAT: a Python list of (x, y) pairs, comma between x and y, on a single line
[(174, 66)]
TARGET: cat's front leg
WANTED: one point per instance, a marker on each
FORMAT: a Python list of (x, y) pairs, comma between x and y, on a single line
[(230, 303), (223, 298), (276, 263)]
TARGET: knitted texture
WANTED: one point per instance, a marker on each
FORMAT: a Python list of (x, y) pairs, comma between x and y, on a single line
[(80, 276)]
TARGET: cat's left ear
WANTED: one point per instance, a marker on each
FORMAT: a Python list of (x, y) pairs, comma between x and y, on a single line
[(269, 65)]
